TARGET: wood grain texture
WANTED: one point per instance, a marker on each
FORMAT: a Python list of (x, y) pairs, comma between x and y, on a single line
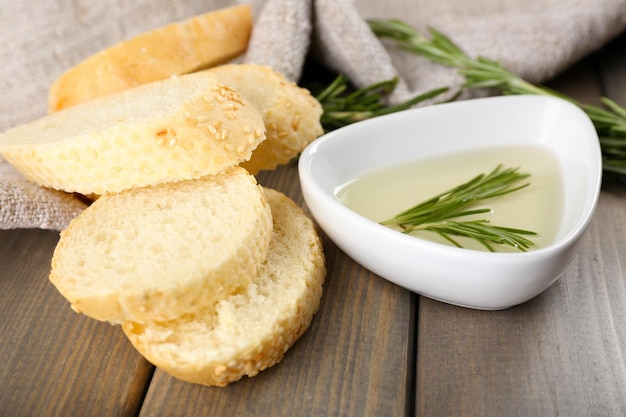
[(54, 361), (353, 360), (562, 353)]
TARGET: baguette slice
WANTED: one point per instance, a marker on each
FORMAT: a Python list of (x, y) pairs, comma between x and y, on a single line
[(176, 129), (159, 252), (251, 330), (291, 114), (179, 48)]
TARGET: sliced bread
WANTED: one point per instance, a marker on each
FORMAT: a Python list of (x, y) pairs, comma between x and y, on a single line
[(180, 128), (179, 48), (158, 252), (251, 330), (291, 114)]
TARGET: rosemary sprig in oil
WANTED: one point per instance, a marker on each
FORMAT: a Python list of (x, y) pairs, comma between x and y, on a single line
[(440, 213), (610, 121)]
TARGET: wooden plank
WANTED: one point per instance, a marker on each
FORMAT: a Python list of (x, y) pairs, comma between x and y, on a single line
[(355, 359), (54, 361), (561, 353), (612, 67)]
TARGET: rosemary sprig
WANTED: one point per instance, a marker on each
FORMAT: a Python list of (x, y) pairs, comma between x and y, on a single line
[(610, 122), (343, 105), (483, 233), (437, 213)]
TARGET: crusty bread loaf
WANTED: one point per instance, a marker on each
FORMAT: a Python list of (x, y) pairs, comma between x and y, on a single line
[(180, 128), (179, 48), (253, 329), (291, 114), (157, 252)]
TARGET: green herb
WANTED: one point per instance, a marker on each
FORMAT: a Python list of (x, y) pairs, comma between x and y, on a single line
[(343, 105), (437, 214), (610, 122)]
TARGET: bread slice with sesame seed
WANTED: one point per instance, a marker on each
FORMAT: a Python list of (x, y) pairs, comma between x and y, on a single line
[(197, 43), (180, 128), (251, 330), (291, 114), (160, 252)]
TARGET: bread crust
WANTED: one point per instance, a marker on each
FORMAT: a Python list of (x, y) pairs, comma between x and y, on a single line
[(180, 128), (155, 253), (179, 48), (252, 330), (290, 113)]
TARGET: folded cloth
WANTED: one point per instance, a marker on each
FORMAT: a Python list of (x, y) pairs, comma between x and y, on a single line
[(26, 205), (537, 39)]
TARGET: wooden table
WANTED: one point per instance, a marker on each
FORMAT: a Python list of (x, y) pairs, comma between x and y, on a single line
[(373, 349)]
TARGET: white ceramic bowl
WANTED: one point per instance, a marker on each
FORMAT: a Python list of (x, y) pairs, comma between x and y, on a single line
[(470, 278)]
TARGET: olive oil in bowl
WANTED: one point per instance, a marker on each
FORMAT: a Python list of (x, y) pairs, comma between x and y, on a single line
[(538, 207)]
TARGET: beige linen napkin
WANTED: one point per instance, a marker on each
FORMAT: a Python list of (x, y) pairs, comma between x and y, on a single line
[(537, 39)]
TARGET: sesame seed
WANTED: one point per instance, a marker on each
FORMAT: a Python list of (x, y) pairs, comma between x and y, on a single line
[(237, 99), (241, 149), (251, 139), (295, 122), (203, 119), (172, 142), (92, 152), (231, 115), (258, 133), (247, 129), (224, 134), (206, 98), (217, 124), (212, 129), (146, 170), (229, 147), (219, 98)]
